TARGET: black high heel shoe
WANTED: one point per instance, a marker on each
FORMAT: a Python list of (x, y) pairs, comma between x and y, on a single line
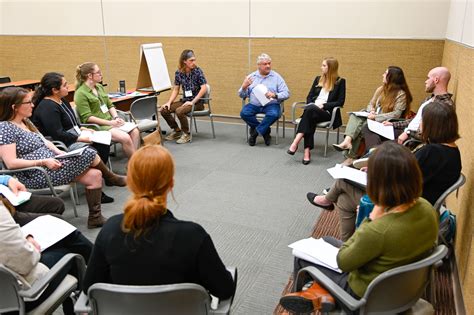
[(292, 152), (306, 162)]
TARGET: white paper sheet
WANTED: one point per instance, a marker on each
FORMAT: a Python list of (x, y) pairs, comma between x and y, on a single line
[(317, 251), (104, 137), (23, 196), (259, 91), (70, 153), (47, 230), (379, 128), (355, 175), (128, 126), (360, 114)]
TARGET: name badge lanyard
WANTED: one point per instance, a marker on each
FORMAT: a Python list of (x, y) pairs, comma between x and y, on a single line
[(71, 117)]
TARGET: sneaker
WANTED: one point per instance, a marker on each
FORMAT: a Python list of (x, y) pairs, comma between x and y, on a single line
[(360, 163), (173, 135), (326, 190), (185, 138)]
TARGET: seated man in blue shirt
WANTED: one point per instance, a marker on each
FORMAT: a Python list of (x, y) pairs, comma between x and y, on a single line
[(275, 90), (37, 204)]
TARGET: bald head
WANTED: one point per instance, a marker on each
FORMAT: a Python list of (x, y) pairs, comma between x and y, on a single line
[(438, 79)]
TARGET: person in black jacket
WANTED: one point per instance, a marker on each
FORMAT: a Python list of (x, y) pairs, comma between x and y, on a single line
[(147, 245), (55, 118), (328, 91)]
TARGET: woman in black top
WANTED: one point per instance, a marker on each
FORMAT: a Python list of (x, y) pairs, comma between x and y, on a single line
[(147, 245), (328, 91), (439, 157), (54, 117)]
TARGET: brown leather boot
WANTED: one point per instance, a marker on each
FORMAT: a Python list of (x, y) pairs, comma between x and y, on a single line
[(315, 298), (111, 179), (95, 219)]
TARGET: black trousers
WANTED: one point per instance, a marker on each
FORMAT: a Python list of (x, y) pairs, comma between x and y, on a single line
[(103, 150), (312, 115), (38, 205)]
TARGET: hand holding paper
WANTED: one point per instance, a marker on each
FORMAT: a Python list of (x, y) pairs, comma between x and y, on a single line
[(260, 92)]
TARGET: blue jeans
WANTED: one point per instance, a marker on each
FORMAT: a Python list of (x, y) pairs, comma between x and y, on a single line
[(271, 111)]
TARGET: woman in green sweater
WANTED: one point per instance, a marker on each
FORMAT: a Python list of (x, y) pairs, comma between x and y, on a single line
[(402, 228)]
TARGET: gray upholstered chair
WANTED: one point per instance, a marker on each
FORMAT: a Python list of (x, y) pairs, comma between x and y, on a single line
[(455, 187), (391, 292), (171, 299), (14, 293), (51, 189), (328, 125)]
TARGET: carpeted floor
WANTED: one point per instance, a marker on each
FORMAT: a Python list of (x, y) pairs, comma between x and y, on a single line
[(251, 200)]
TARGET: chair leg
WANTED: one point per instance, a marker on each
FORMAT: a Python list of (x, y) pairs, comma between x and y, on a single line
[(76, 195), (337, 135), (327, 140), (73, 199), (109, 164), (278, 129), (247, 132), (195, 125), (191, 129), (284, 125), (212, 126)]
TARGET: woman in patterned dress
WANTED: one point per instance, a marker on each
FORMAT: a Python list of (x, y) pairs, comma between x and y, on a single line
[(21, 145)]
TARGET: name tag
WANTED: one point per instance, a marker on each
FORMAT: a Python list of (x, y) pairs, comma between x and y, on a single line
[(188, 93), (78, 130), (104, 108)]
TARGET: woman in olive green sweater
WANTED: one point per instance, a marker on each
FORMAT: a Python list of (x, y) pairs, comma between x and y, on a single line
[(94, 107), (402, 228)]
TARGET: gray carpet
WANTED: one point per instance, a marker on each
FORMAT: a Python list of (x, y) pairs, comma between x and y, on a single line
[(251, 200)]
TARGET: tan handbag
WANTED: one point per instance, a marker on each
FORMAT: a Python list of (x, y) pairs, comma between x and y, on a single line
[(152, 138)]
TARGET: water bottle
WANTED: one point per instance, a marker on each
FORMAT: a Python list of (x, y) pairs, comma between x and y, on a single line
[(365, 208)]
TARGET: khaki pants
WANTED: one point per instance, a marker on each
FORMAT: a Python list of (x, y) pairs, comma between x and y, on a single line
[(181, 112), (346, 197)]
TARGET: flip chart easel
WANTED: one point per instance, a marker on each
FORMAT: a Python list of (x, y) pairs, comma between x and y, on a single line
[(153, 74)]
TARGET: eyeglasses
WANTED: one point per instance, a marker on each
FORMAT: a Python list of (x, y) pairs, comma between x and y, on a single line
[(29, 102)]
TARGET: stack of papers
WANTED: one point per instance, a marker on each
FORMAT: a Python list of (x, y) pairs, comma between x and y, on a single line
[(317, 251), (127, 127), (360, 114), (259, 91), (381, 129), (48, 230), (103, 137), (352, 174), (15, 200), (71, 153)]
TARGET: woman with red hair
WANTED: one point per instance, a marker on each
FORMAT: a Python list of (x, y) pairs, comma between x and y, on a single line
[(147, 245)]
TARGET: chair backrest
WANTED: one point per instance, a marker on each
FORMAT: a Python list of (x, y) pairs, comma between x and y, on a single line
[(5, 80), (144, 108), (400, 288), (10, 299), (183, 298), (461, 180)]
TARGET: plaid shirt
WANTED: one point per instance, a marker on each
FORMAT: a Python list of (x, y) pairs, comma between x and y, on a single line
[(442, 98)]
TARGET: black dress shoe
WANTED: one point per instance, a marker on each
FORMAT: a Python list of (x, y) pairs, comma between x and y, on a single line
[(267, 138), (252, 140), (306, 162), (310, 196), (292, 152), (106, 199)]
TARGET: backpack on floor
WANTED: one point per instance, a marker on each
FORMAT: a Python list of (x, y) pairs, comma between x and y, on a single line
[(447, 228)]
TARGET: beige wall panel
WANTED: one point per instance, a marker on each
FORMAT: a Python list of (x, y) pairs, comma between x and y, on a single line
[(51, 17), (159, 18), (460, 60), (29, 57), (225, 62), (349, 19), (361, 62)]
